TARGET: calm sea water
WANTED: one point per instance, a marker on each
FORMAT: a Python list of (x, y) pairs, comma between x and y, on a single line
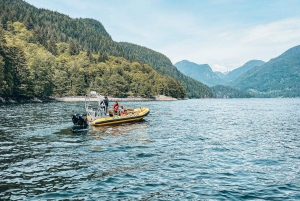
[(211, 149)]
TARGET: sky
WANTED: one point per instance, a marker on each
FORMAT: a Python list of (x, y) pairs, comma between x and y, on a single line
[(224, 34)]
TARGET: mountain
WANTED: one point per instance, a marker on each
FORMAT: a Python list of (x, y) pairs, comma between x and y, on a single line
[(232, 75), (220, 74), (203, 73), (163, 65), (28, 69), (221, 91), (50, 28), (279, 77)]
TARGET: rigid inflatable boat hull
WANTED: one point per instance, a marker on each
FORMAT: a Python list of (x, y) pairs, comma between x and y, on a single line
[(136, 115)]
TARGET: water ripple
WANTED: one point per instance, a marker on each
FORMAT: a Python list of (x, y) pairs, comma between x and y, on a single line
[(237, 149)]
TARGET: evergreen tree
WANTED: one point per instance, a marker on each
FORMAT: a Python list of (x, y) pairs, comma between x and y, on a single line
[(51, 46), (28, 22), (2, 81), (3, 67), (73, 50)]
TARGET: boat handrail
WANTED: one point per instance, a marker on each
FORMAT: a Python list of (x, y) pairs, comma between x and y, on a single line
[(92, 110)]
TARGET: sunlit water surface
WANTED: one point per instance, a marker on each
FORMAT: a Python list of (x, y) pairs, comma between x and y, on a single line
[(211, 149)]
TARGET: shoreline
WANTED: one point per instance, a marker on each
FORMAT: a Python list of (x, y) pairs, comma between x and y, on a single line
[(112, 99), (12, 100)]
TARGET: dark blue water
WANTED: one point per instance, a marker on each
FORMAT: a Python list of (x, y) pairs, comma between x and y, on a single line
[(211, 149)]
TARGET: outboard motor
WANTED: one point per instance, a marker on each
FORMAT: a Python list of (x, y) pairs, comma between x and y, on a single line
[(80, 120)]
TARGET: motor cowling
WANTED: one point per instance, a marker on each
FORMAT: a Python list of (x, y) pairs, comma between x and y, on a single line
[(79, 119)]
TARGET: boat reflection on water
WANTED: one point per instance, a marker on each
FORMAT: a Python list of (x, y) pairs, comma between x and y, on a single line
[(80, 129), (115, 130), (103, 131), (73, 130), (127, 134)]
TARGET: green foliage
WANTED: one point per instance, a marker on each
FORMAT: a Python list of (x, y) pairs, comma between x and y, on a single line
[(53, 30), (73, 50), (29, 69), (13, 69), (2, 77), (51, 46), (162, 64), (41, 76), (2, 62), (50, 27), (280, 77), (232, 75)]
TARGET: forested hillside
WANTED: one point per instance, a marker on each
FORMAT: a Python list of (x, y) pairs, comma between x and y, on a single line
[(234, 74), (28, 69), (221, 91), (280, 77), (162, 64), (50, 29)]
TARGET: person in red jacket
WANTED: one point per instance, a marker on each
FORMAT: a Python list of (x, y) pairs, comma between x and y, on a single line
[(116, 107)]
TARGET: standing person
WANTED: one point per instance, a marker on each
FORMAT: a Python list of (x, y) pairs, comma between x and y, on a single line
[(106, 104), (116, 107)]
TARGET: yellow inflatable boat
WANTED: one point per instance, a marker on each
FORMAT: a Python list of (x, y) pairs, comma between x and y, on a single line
[(131, 115), (96, 114)]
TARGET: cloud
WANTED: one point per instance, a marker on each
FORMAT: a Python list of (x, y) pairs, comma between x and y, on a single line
[(283, 31), (233, 48), (224, 34)]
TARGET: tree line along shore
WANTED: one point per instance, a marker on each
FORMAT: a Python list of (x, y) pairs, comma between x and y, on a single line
[(112, 99), (28, 69), (82, 98)]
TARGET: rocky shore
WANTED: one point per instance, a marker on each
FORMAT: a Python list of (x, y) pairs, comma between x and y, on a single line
[(79, 99)]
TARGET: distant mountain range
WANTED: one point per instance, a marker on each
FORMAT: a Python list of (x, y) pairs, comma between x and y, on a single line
[(203, 72), (232, 75), (220, 74), (279, 77)]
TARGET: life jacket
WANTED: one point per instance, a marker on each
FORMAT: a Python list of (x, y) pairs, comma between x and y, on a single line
[(124, 112), (116, 106)]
